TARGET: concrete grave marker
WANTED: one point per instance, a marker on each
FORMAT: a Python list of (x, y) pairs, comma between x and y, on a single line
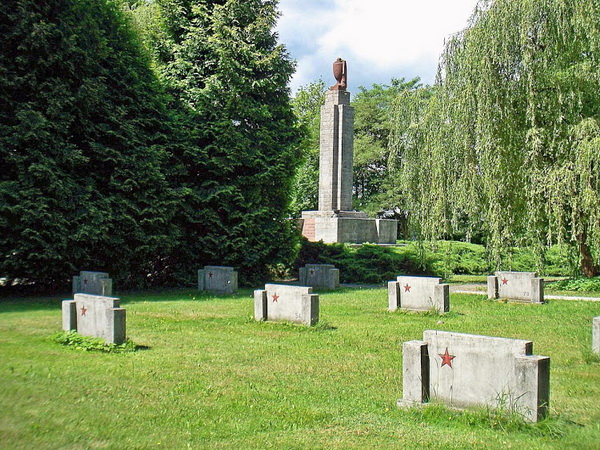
[(463, 370), (96, 316), (281, 302), (418, 294), (320, 276), (516, 286), (219, 279), (95, 283), (596, 335)]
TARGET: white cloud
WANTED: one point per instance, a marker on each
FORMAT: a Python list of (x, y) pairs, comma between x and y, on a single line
[(380, 39)]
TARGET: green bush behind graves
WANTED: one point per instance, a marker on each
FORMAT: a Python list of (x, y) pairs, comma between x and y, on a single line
[(374, 264), (212, 377)]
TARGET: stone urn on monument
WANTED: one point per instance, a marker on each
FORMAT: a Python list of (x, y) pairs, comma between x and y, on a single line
[(336, 221)]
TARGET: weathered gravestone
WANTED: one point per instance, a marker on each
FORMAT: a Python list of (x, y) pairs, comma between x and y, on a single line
[(320, 276), (95, 283), (464, 370), (418, 294), (286, 303), (596, 335), (516, 286), (220, 279), (96, 316)]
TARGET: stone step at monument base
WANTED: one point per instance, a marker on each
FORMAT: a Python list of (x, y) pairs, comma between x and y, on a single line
[(347, 227)]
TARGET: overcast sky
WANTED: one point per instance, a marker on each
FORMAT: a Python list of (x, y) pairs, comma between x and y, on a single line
[(379, 39)]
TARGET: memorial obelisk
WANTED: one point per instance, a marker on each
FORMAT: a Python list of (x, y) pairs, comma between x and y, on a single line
[(336, 145), (335, 221)]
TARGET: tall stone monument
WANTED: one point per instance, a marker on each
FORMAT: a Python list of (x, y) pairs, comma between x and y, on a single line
[(335, 221)]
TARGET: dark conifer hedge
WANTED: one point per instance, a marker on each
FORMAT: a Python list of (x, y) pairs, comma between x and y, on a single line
[(105, 166)]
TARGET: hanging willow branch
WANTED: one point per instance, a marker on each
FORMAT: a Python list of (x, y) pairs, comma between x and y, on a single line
[(510, 145)]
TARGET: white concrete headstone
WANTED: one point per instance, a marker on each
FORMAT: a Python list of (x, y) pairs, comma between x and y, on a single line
[(95, 283), (418, 294), (281, 302), (464, 370), (516, 286), (96, 316), (320, 276), (596, 335), (219, 279)]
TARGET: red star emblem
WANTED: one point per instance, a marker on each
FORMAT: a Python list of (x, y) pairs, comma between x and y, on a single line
[(312, 271), (85, 281), (504, 280), (446, 358), (275, 298), (210, 274), (83, 310), (406, 288)]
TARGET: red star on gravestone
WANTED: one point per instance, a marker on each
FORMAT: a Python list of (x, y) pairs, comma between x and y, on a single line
[(275, 298), (446, 358), (504, 280), (210, 274), (406, 288), (312, 271), (85, 281), (83, 310)]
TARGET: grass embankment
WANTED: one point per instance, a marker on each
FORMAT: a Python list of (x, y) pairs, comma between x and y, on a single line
[(212, 377)]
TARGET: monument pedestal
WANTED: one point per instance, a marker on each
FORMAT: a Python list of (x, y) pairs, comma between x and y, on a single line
[(347, 226), (334, 221)]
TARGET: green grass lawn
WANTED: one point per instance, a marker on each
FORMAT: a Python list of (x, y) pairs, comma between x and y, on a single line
[(212, 377)]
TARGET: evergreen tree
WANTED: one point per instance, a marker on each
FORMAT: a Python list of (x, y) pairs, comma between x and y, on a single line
[(225, 66), (82, 146)]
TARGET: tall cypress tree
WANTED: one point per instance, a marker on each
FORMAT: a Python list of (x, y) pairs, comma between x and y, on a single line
[(225, 66), (82, 145)]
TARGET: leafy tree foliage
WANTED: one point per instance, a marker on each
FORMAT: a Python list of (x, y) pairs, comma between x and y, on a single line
[(372, 126), (307, 107), (82, 136), (510, 142)]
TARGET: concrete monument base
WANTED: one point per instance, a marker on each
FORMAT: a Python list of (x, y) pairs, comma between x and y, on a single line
[(347, 226)]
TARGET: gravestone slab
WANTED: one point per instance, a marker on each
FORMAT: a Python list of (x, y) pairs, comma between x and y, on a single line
[(418, 294), (219, 279), (320, 276), (524, 286), (279, 302), (96, 316), (596, 335), (462, 370), (95, 283)]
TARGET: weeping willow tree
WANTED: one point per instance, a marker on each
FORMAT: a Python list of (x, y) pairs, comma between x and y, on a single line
[(509, 145)]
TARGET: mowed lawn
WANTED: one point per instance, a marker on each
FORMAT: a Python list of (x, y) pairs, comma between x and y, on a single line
[(209, 376)]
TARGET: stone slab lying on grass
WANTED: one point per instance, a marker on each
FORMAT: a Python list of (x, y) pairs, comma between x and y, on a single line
[(219, 279), (596, 335), (320, 276), (516, 286), (462, 370), (281, 302), (96, 316), (95, 283), (418, 294)]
